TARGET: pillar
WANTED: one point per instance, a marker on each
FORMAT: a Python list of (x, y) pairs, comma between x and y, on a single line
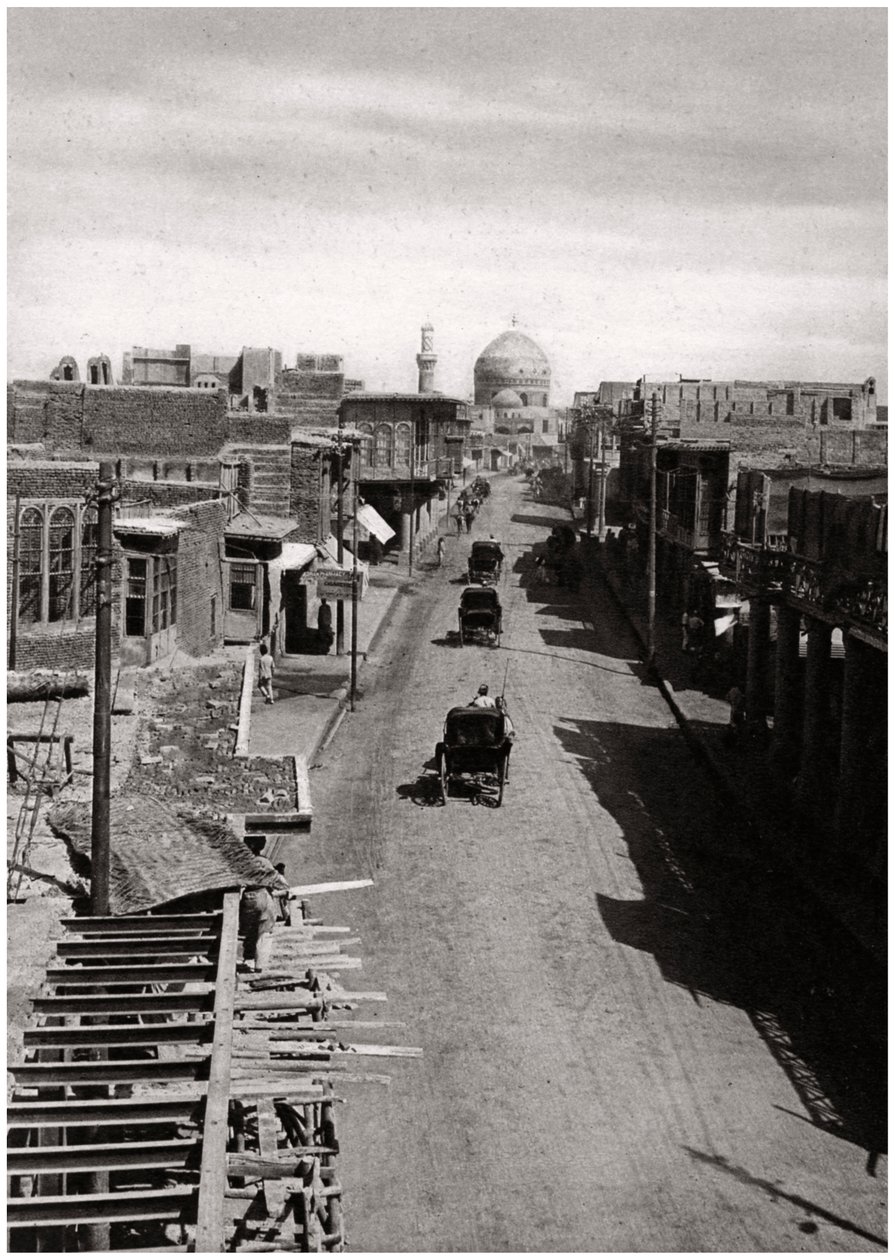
[(406, 530), (787, 690), (813, 770), (757, 656), (861, 787)]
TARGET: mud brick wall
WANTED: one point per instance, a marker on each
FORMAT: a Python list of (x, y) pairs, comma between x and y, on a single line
[(248, 428), (311, 384), (49, 480), (200, 595), (309, 499), (71, 417), (164, 494)]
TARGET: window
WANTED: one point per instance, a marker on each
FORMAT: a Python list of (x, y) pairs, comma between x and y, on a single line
[(383, 445), (545, 426), (87, 595), (164, 593), (366, 444), (30, 564), (402, 444), (242, 587), (62, 562), (135, 599), (842, 408)]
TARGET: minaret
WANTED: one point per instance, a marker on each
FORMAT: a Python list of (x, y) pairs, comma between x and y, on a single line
[(426, 360)]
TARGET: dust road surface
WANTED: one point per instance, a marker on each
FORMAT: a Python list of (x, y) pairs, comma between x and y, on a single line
[(635, 1038)]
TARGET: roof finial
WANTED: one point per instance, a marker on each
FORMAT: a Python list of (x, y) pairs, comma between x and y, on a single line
[(513, 321)]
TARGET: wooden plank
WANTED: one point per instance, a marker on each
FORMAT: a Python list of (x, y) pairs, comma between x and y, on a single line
[(210, 919), (141, 948), (84, 1209), (339, 885), (125, 1003), (100, 1157), (102, 1111), (213, 1174), (111, 1072), (146, 973), (108, 1035)]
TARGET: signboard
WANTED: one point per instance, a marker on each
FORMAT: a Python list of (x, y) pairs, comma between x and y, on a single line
[(336, 584)]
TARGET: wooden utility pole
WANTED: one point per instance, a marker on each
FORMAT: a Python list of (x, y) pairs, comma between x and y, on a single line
[(651, 586), (591, 433), (355, 575), (413, 432), (14, 603), (102, 695), (340, 546)]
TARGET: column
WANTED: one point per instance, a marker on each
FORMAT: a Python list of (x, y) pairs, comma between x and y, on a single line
[(758, 650), (812, 767), (787, 691), (861, 689)]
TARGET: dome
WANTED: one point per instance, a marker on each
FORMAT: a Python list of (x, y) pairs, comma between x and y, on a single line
[(507, 398), (510, 352), (513, 362)]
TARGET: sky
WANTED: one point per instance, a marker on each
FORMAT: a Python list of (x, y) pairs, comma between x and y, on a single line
[(672, 191)]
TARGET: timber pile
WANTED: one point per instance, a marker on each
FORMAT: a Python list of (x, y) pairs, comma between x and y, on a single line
[(291, 1033), (168, 1103)]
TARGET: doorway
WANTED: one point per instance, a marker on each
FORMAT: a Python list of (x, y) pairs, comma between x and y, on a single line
[(296, 637)]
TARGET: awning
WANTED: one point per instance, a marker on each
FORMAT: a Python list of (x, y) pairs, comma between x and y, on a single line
[(369, 518), (293, 556), (157, 526), (254, 525)]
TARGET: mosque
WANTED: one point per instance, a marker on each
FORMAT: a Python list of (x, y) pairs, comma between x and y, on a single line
[(512, 390)]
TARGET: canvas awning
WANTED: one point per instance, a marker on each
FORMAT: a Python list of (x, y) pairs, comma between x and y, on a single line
[(369, 518), (293, 556)]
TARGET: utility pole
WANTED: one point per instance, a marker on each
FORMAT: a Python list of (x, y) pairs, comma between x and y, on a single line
[(355, 600), (340, 546), (102, 694), (14, 609), (591, 433), (651, 586), (601, 497), (413, 433)]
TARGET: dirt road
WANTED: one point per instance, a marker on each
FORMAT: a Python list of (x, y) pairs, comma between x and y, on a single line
[(635, 1038)]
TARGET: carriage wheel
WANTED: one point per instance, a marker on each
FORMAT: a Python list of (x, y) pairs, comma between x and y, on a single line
[(442, 774), (501, 779)]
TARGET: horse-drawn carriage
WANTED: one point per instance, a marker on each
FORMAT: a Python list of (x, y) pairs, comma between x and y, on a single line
[(475, 749), (480, 615), (485, 562)]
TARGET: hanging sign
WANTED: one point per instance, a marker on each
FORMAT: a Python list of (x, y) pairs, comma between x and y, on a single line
[(336, 584)]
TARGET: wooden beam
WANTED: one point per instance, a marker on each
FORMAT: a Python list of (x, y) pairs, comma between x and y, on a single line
[(109, 1072), (101, 1157), (146, 973), (339, 885), (213, 1177), (102, 1111), (143, 947), (125, 1003), (84, 1209), (115, 922), (108, 1035)]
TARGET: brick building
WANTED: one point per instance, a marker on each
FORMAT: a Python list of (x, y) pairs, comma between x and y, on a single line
[(817, 646), (188, 467), (411, 446)]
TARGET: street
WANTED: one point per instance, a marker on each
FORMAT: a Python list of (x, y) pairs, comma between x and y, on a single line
[(635, 1038)]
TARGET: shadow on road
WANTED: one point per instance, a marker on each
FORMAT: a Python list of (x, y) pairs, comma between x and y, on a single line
[(724, 924), (424, 791), (775, 1193)]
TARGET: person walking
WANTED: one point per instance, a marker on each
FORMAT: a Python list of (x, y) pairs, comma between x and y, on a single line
[(440, 551), (257, 918), (459, 519), (265, 673), (470, 517)]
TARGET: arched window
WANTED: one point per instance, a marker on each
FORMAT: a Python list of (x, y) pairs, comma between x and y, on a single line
[(384, 445), (31, 534), (366, 444), (402, 444), (62, 561), (87, 598)]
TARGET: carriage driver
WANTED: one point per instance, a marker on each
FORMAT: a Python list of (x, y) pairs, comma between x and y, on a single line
[(482, 699)]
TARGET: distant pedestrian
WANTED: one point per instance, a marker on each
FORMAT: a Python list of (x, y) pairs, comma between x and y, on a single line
[(737, 721), (265, 673), (459, 519), (440, 551), (375, 550), (695, 628), (685, 635), (325, 626), (470, 517)]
